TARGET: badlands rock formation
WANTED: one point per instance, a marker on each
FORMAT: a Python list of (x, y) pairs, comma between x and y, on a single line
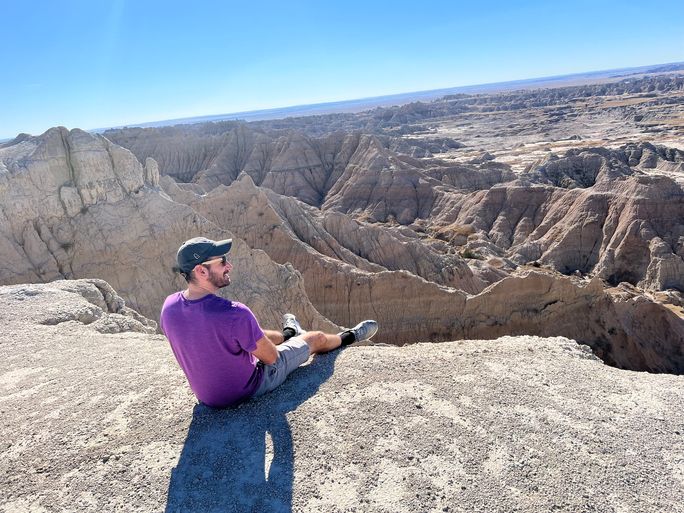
[(97, 417), (613, 213), (618, 220), (102, 214), (75, 205), (525, 223)]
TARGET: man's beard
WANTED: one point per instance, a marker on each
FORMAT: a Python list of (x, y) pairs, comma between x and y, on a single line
[(218, 279)]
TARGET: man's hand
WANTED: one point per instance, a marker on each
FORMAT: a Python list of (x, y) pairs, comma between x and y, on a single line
[(266, 351)]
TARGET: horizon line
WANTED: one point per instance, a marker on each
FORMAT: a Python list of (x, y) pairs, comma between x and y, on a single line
[(369, 102), (233, 116)]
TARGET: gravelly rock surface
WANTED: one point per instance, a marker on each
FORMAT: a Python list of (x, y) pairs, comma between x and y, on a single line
[(95, 421)]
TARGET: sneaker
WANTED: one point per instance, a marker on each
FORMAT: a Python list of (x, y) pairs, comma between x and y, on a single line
[(290, 321), (365, 330)]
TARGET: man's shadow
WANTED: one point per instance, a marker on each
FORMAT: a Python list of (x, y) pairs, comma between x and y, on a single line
[(241, 460)]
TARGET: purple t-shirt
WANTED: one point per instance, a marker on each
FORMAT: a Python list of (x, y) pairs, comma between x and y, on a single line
[(212, 339)]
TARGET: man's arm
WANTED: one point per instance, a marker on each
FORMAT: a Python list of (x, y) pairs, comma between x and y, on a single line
[(266, 351)]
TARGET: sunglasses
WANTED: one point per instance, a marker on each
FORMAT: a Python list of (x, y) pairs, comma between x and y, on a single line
[(223, 259)]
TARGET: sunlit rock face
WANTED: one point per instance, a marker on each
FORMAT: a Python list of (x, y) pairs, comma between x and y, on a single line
[(75, 205)]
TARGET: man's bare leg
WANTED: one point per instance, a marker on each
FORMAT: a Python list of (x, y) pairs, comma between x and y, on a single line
[(317, 341), (274, 336), (320, 342)]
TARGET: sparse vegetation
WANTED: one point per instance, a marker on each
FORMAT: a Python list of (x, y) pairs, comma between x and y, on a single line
[(470, 254)]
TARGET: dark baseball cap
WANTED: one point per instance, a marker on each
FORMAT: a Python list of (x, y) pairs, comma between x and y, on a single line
[(198, 250)]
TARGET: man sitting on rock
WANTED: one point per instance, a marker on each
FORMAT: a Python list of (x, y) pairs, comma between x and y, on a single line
[(219, 344)]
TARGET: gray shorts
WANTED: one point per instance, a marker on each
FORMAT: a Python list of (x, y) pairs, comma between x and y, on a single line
[(291, 355)]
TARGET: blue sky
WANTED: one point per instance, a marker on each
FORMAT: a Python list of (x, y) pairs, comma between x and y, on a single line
[(99, 63)]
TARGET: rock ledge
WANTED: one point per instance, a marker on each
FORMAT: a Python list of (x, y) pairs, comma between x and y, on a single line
[(98, 421)]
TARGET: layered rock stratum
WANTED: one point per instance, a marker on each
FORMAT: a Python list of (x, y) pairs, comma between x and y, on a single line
[(97, 417)]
